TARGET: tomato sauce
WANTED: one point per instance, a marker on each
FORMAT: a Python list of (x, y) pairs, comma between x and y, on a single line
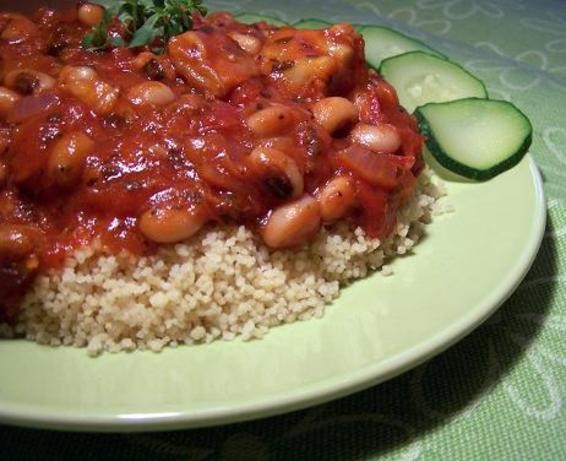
[(188, 148)]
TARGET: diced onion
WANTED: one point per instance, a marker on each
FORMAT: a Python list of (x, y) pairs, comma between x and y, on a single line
[(32, 105)]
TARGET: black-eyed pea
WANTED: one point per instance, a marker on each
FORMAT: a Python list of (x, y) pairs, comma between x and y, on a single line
[(7, 100), (103, 98), (151, 66), (190, 42), (188, 103), (163, 224), (344, 53), (3, 173), (90, 14), (278, 172), (246, 42), (381, 138), (283, 143), (334, 112), (188, 54), (141, 60), (292, 224), (67, 157), (336, 198), (305, 70), (83, 83), (151, 93), (71, 74), (16, 241), (18, 28), (28, 81), (271, 121)]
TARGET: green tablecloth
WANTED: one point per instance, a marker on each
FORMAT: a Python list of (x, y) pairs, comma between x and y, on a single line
[(499, 393)]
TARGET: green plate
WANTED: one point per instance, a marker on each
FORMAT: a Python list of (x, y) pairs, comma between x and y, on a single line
[(469, 263)]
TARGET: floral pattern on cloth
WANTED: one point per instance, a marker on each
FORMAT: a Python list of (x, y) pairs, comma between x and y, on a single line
[(499, 394)]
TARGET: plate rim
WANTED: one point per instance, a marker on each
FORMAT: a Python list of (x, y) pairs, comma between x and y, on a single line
[(311, 394)]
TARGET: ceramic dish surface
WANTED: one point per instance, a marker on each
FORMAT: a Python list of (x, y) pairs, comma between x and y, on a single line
[(470, 261)]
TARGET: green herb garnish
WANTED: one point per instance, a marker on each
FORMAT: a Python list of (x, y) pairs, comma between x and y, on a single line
[(145, 20)]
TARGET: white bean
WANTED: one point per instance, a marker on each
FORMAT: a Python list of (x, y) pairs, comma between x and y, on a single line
[(151, 93), (382, 138), (7, 100), (84, 83), (141, 60), (334, 112), (246, 42), (342, 52), (73, 73), (18, 28), (305, 70), (67, 157), (292, 224), (89, 14), (3, 173), (28, 81), (336, 198), (189, 56), (283, 143), (278, 172), (16, 240), (154, 67), (170, 224), (271, 121)]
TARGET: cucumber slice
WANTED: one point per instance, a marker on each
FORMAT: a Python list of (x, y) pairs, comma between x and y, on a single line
[(475, 138), (251, 18), (311, 24), (420, 78), (382, 43)]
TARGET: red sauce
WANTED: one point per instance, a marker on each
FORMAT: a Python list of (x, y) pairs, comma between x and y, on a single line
[(189, 152)]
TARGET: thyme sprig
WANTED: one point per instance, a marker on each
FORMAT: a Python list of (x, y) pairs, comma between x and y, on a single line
[(144, 20)]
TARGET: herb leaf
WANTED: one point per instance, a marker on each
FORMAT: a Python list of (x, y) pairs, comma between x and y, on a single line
[(146, 33), (144, 21), (98, 38), (111, 6)]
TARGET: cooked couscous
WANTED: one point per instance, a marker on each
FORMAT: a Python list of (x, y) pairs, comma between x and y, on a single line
[(222, 284)]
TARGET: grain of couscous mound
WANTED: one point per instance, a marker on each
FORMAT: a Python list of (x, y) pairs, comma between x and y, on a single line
[(223, 283)]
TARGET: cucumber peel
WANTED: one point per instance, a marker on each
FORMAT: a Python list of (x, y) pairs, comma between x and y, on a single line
[(311, 23), (475, 138), (251, 18), (420, 78), (383, 42)]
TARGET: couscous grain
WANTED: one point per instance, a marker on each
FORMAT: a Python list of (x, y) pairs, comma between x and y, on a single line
[(221, 284)]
